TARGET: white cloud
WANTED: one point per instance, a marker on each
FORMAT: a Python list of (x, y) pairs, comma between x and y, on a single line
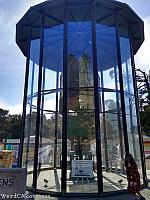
[(142, 58), (11, 12), (34, 2), (13, 109), (50, 104)]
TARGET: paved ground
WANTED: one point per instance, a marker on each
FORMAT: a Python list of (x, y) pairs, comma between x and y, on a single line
[(119, 197), (145, 193)]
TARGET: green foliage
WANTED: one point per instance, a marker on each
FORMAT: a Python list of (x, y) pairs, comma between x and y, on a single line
[(48, 127), (145, 120), (52, 125), (3, 122), (13, 126), (10, 125), (81, 125)]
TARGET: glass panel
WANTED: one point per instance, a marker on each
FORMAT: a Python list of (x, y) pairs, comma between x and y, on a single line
[(30, 122), (50, 102), (34, 68), (107, 57), (130, 104), (112, 102), (81, 149), (112, 138), (50, 150), (81, 141), (131, 117), (113, 151), (80, 99), (126, 65), (129, 131), (133, 137), (53, 55), (50, 141), (137, 147)]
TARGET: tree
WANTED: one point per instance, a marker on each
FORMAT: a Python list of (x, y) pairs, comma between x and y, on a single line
[(144, 100), (13, 128), (143, 88), (51, 125), (3, 119), (81, 130), (143, 81), (10, 125), (144, 117)]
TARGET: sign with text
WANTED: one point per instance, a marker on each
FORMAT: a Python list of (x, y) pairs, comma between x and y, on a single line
[(82, 168), (147, 154), (12, 181)]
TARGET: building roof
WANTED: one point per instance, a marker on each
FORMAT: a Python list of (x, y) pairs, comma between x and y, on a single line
[(53, 10)]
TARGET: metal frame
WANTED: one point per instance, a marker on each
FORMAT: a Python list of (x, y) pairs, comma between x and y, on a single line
[(104, 122), (137, 109), (56, 120), (119, 114), (38, 120), (121, 88), (24, 102), (96, 99), (65, 109), (29, 129)]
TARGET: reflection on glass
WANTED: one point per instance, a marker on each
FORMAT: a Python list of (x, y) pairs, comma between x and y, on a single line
[(112, 140), (81, 141), (126, 65), (49, 154), (81, 148), (80, 112), (50, 141), (30, 121), (132, 130), (53, 55), (130, 104), (107, 57)]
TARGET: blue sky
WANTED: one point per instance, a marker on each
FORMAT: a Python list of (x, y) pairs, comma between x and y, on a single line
[(12, 62)]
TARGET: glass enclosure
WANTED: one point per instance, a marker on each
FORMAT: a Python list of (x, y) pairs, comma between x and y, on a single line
[(81, 114)]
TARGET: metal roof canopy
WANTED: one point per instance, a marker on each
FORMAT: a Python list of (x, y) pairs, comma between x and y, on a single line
[(53, 11)]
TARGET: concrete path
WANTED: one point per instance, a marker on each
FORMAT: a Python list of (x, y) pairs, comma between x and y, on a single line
[(145, 192)]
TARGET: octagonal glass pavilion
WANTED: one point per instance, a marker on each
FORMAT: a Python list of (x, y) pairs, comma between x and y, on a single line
[(80, 112)]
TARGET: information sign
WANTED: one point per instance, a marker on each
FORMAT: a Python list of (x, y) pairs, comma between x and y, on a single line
[(82, 168)]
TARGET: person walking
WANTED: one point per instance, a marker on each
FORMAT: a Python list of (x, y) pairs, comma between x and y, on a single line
[(133, 176)]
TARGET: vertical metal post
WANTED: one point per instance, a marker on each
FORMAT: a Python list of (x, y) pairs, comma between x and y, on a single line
[(41, 114), (121, 88), (137, 109), (30, 115), (64, 120), (38, 106), (104, 122), (96, 99), (56, 120), (130, 107), (118, 114), (24, 101)]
